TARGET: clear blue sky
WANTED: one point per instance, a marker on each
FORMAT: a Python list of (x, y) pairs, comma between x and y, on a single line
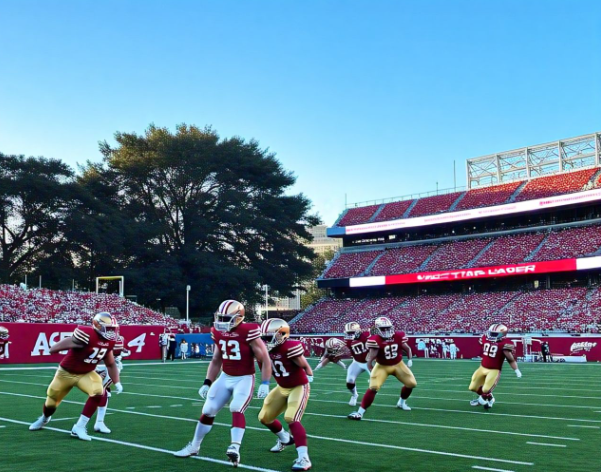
[(369, 98)]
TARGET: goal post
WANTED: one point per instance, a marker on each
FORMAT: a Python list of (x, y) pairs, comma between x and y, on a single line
[(107, 278)]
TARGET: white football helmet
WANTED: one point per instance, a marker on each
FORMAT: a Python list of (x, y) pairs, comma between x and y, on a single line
[(384, 327), (3, 333), (352, 330), (106, 325), (335, 347), (496, 332), (274, 332), (229, 315)]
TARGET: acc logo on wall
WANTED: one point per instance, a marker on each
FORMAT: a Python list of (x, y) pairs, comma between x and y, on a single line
[(4, 342), (582, 346)]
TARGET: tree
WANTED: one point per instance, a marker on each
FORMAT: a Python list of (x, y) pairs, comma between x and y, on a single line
[(211, 213), (312, 292), (35, 195)]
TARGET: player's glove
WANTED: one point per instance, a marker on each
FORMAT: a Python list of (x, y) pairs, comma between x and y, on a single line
[(204, 390), (263, 390), (410, 363), (518, 374), (310, 378), (118, 388)]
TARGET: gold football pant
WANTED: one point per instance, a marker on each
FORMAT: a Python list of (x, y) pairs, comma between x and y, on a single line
[(64, 381), (485, 378), (380, 373), (291, 400)]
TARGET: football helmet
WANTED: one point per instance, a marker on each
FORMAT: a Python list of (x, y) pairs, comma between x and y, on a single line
[(3, 333), (334, 347), (274, 332), (496, 332), (384, 327), (106, 325), (229, 315), (352, 330)]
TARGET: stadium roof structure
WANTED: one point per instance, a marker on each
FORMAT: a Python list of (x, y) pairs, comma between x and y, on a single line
[(560, 156)]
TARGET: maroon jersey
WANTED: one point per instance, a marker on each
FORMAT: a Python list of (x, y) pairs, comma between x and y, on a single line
[(389, 350), (493, 354), (238, 357), (119, 347), (83, 359), (287, 374), (358, 348), (3, 344)]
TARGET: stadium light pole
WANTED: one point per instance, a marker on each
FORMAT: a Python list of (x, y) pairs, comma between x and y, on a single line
[(266, 288), (187, 304)]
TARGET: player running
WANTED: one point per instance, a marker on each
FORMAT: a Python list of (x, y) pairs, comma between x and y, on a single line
[(495, 349), (335, 350), (237, 345), (385, 348), (355, 340), (87, 347), (292, 374), (119, 352)]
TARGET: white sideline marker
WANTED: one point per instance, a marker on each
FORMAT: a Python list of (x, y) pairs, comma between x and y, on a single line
[(148, 448), (490, 468), (545, 444)]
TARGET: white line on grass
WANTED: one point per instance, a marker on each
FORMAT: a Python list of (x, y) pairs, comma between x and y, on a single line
[(489, 468), (324, 438), (148, 448), (73, 418), (545, 444), (176, 405), (582, 426), (154, 406)]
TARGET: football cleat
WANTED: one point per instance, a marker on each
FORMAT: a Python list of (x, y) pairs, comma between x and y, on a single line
[(482, 401), (280, 446), (187, 451), (353, 400), (402, 404), (39, 423), (233, 454), (302, 463), (355, 415), (489, 403), (100, 427), (80, 432), (475, 402)]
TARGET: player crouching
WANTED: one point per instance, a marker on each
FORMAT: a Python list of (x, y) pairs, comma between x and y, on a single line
[(385, 347), (292, 374), (495, 349), (335, 350), (87, 347)]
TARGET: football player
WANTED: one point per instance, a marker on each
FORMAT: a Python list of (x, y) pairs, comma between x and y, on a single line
[(292, 374), (355, 340), (385, 348), (119, 352), (495, 349), (4, 335), (86, 348), (236, 346), (335, 350)]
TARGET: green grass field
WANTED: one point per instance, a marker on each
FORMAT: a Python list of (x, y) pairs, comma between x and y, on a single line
[(547, 421)]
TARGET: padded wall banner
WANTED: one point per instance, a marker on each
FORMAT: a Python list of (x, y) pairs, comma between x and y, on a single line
[(30, 342), (563, 348)]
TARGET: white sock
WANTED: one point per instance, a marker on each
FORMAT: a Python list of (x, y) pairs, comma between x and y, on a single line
[(201, 431), (303, 451), (283, 436), (82, 422), (100, 413), (361, 411), (237, 435)]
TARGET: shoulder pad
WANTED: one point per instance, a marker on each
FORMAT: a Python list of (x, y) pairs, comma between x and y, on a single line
[(81, 335)]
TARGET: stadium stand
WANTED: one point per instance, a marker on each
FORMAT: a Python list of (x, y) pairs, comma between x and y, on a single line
[(55, 306), (559, 244), (539, 187), (552, 310)]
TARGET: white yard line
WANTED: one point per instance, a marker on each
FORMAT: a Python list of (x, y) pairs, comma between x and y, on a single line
[(73, 418), (148, 448), (490, 468), (324, 438), (545, 444), (582, 426)]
